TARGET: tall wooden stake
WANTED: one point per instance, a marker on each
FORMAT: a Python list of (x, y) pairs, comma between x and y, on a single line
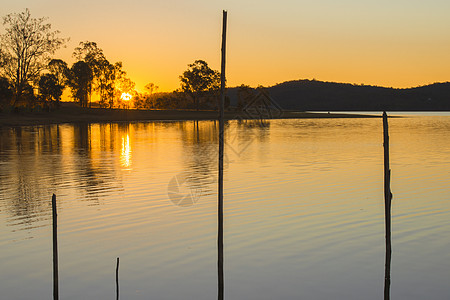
[(387, 208), (55, 249), (221, 151)]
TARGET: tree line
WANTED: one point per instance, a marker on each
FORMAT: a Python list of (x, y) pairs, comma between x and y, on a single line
[(31, 78)]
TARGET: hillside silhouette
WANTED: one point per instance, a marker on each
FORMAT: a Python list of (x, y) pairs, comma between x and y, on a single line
[(313, 95)]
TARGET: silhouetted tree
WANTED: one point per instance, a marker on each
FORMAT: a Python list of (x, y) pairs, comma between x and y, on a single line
[(26, 47), (124, 85), (80, 81), (49, 88), (198, 79), (109, 80), (139, 100), (27, 99), (59, 69), (117, 74), (6, 92), (90, 53), (151, 88), (245, 94), (105, 77)]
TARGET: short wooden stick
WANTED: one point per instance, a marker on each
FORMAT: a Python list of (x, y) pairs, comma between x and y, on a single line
[(117, 279)]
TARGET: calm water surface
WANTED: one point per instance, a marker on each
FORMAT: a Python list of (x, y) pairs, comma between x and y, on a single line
[(304, 209)]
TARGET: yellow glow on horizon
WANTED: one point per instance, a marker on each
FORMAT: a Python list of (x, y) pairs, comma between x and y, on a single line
[(393, 45)]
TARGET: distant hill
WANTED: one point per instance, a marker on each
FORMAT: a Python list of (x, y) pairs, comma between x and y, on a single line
[(313, 95)]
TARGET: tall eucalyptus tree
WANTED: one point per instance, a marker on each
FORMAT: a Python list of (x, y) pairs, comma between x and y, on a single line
[(26, 48)]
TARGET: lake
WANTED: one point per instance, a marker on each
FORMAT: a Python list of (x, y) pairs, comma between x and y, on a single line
[(303, 209)]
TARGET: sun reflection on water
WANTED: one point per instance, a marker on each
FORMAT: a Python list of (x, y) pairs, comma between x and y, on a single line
[(125, 155)]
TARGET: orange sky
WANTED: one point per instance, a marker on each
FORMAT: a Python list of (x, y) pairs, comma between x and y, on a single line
[(388, 43)]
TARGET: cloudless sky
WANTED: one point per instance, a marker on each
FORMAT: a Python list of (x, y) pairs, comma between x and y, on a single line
[(398, 43)]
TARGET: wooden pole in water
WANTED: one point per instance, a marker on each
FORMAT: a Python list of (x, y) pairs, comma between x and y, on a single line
[(387, 208), (221, 152), (117, 279), (55, 249)]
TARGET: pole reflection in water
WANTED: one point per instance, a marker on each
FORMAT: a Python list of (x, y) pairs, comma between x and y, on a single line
[(387, 208)]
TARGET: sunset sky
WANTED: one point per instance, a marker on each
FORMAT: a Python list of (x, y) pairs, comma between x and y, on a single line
[(396, 43)]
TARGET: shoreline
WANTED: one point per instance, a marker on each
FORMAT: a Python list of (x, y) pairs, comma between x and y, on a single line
[(101, 115)]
